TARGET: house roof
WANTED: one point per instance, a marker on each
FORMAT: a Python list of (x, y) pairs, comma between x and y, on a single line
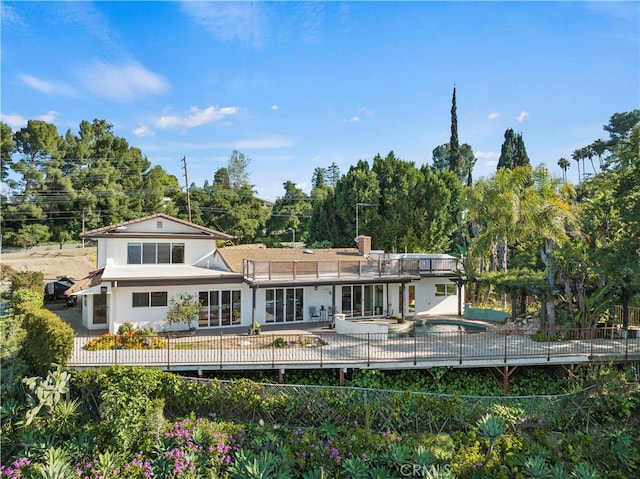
[(233, 256), (94, 278), (163, 272), (127, 229)]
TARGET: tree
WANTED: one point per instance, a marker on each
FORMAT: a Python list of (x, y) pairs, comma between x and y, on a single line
[(513, 152), (577, 156), (290, 211), (455, 159), (183, 308), (564, 165), (7, 147), (496, 206), (238, 169), (553, 219), (441, 155), (37, 143)]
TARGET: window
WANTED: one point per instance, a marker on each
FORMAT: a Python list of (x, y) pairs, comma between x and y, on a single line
[(220, 308), (446, 289), (134, 253), (140, 300), (154, 298), (284, 304), (155, 253), (158, 298)]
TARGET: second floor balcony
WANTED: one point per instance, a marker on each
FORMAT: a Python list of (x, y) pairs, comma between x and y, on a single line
[(293, 270)]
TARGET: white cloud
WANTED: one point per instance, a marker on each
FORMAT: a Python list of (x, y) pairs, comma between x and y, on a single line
[(274, 107), (366, 111), (49, 117), (493, 116), (354, 119), (14, 121), (18, 121), (196, 117), (143, 131), (9, 16), (124, 82), (49, 88), (486, 154), (523, 115), (244, 21)]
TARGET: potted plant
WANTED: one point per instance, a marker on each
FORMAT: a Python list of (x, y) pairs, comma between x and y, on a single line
[(254, 328)]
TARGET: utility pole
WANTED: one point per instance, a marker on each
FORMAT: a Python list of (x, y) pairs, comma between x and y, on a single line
[(186, 179)]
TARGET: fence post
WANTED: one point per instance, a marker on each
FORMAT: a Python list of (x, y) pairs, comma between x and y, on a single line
[(220, 343), (548, 347), (626, 346), (415, 349), (505, 346), (115, 353), (168, 353), (368, 349), (460, 341), (321, 346), (592, 334)]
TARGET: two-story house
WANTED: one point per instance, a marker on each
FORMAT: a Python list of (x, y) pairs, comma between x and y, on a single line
[(142, 264)]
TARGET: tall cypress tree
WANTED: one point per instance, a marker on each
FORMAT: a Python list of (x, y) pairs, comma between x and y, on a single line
[(454, 146)]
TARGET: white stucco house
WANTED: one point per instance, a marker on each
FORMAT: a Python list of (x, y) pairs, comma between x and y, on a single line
[(141, 264)]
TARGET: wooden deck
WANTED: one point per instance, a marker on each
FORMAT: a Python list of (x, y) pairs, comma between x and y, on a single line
[(281, 350)]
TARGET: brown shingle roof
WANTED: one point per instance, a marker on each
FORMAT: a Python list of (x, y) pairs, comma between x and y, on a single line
[(233, 255)]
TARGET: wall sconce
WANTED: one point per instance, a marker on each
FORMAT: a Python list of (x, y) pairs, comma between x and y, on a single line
[(103, 289)]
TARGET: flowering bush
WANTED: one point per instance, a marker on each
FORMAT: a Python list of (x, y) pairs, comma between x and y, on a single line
[(135, 339), (15, 470)]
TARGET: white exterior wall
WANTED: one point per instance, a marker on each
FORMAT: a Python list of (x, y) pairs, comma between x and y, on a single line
[(196, 252), (120, 309), (426, 300)]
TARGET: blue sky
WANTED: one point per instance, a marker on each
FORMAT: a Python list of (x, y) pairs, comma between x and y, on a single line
[(299, 85)]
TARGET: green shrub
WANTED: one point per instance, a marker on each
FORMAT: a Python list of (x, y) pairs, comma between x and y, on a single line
[(26, 298), (31, 280), (49, 339)]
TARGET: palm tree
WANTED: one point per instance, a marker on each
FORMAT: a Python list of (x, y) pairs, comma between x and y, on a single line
[(565, 165), (599, 147), (577, 156), (552, 218)]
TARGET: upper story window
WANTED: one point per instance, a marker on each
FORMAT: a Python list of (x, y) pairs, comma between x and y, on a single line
[(155, 253)]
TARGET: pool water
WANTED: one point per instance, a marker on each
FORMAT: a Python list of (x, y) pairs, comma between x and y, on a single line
[(434, 327), (446, 327)]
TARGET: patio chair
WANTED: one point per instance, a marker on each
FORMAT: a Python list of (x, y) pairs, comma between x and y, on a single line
[(313, 313)]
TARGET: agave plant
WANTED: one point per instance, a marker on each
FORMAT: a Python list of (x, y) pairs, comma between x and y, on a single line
[(107, 463), (423, 457), (56, 465), (397, 455), (582, 470), (558, 472), (63, 417), (355, 468), (536, 467), (491, 428), (248, 465), (438, 472), (316, 474), (381, 472)]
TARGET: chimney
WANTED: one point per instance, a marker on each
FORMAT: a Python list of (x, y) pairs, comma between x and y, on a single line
[(364, 245)]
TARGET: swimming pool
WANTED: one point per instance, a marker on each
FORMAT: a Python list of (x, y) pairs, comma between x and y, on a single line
[(432, 327)]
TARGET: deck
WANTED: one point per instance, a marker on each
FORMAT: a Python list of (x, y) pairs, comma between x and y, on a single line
[(323, 348)]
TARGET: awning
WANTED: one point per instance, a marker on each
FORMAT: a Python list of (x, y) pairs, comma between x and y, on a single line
[(88, 285)]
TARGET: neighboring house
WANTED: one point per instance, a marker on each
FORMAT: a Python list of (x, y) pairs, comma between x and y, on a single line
[(143, 263)]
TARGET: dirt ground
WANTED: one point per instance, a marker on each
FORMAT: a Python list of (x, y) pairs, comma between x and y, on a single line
[(53, 262)]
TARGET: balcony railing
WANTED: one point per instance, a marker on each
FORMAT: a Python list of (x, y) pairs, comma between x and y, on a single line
[(448, 349), (341, 269)]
